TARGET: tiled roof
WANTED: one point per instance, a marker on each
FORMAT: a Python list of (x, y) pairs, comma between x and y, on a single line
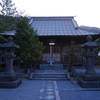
[(58, 26)]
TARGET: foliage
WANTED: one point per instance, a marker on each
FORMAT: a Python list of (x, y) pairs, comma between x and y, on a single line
[(9, 25), (97, 50), (7, 17), (72, 53), (8, 8), (3, 38), (98, 41), (26, 37)]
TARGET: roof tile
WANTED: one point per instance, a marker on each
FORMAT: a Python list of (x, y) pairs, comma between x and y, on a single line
[(60, 26)]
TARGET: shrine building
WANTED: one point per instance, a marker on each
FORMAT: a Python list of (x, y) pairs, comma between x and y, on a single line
[(56, 33)]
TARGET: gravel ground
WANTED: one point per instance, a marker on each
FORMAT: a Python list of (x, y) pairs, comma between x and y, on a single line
[(49, 90)]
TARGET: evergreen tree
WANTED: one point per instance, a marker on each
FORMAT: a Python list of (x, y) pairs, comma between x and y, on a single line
[(30, 46), (8, 8), (97, 50), (3, 39), (7, 17), (8, 25)]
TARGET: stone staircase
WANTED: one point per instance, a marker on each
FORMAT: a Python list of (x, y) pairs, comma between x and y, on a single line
[(49, 74)]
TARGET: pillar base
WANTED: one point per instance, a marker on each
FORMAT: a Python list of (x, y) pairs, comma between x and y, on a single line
[(8, 77), (9, 81), (91, 77), (13, 84), (89, 84)]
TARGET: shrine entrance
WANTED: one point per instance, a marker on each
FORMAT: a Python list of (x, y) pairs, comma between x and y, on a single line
[(52, 52)]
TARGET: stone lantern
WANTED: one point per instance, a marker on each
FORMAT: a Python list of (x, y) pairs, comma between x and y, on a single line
[(90, 79), (9, 79)]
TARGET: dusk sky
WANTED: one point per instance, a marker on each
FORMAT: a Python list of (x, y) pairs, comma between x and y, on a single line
[(87, 12)]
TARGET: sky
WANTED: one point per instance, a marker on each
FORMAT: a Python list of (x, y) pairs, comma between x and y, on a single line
[(86, 12)]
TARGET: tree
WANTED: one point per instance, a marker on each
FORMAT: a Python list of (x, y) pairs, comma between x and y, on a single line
[(8, 8), (7, 17), (3, 39), (72, 55), (97, 50), (9, 25), (30, 46), (98, 41)]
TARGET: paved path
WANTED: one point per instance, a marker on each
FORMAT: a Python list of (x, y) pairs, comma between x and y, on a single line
[(49, 90)]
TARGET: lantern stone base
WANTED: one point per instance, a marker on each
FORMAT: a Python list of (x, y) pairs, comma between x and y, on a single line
[(8, 77), (9, 81), (89, 84), (91, 77), (90, 81), (13, 84)]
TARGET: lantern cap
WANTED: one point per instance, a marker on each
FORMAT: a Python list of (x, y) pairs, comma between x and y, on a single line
[(89, 43), (10, 39), (89, 38)]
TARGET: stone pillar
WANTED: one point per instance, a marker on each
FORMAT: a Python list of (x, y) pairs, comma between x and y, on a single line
[(9, 66), (90, 63)]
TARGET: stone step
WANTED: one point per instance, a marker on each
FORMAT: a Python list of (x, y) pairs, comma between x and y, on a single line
[(49, 74), (54, 66), (49, 79)]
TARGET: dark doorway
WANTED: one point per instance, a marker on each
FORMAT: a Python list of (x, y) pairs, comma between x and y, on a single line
[(56, 53)]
